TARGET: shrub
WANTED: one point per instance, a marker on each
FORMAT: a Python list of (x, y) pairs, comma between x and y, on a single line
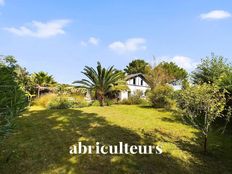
[(44, 100), (53, 101), (79, 101), (109, 102), (162, 97), (134, 99), (13, 96), (126, 102), (60, 103), (80, 104), (201, 105), (95, 103)]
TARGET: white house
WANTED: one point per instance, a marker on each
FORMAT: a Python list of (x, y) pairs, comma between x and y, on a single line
[(134, 82)]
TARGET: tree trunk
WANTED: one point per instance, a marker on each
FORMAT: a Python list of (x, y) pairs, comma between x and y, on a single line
[(38, 94), (205, 143), (101, 100)]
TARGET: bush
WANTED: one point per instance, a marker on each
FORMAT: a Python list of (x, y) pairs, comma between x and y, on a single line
[(162, 97), (13, 97), (80, 104), (109, 102), (95, 103), (53, 101), (134, 99), (126, 102), (201, 105), (60, 103), (44, 100), (79, 101)]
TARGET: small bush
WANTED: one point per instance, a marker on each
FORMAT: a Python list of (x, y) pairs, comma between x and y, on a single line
[(145, 102), (134, 99), (95, 103), (125, 102), (80, 104), (162, 97), (79, 101), (60, 103), (109, 102), (44, 100)]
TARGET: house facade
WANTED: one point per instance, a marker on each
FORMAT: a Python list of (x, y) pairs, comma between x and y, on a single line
[(134, 82)]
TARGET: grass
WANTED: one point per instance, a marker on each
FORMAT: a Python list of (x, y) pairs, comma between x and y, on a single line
[(40, 143)]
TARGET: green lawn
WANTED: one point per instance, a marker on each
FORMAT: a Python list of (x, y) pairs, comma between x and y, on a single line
[(40, 143)]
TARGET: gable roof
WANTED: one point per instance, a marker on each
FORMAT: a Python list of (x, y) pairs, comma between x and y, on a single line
[(130, 76)]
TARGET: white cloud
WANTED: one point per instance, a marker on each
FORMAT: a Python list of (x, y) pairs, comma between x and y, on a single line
[(84, 44), (215, 14), (130, 45), (91, 40), (182, 61), (2, 2), (40, 29)]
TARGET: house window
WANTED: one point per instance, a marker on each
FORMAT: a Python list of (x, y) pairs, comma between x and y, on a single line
[(141, 82), (134, 82)]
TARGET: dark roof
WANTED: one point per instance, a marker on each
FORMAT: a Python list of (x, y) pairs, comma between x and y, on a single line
[(130, 76)]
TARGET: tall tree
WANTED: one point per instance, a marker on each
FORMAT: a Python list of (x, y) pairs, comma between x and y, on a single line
[(173, 71), (201, 105), (165, 72), (43, 79), (102, 81), (210, 69), (136, 66)]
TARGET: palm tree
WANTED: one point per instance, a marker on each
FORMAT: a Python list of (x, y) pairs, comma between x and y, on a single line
[(42, 79), (102, 81)]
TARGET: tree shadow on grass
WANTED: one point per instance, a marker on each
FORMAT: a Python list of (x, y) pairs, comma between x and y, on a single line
[(42, 139), (219, 147)]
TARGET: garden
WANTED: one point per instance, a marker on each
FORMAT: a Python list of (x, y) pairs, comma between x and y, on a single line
[(41, 118)]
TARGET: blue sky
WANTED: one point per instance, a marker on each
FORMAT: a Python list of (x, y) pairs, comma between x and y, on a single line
[(61, 37)]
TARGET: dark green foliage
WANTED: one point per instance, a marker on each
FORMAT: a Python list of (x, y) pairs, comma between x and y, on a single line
[(201, 105), (102, 81), (162, 97), (210, 70), (43, 79), (225, 83), (164, 73), (136, 66), (13, 97), (25, 80), (185, 84), (174, 72), (215, 70)]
